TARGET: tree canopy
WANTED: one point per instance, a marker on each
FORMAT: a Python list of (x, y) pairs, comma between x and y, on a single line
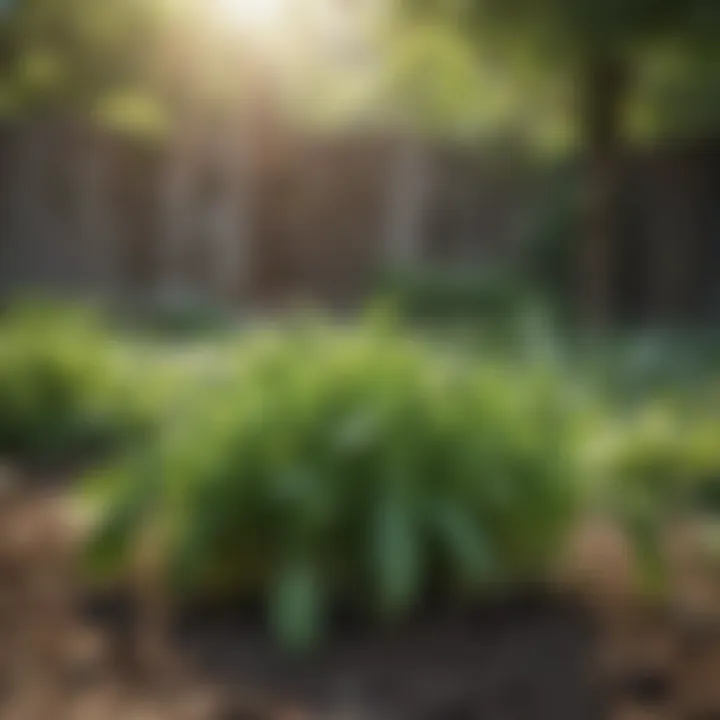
[(452, 66)]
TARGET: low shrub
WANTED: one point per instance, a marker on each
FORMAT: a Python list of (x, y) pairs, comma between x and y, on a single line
[(668, 458), (180, 318), (653, 365), (661, 462), (496, 297), (62, 385), (348, 466)]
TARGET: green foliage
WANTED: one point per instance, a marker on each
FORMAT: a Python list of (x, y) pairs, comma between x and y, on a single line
[(317, 466), (652, 365), (61, 56), (593, 26), (183, 318), (662, 464), (565, 39), (493, 296), (62, 389), (678, 95), (433, 82), (668, 457), (344, 465)]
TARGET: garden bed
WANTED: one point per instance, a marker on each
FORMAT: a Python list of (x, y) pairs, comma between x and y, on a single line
[(527, 656), (318, 471)]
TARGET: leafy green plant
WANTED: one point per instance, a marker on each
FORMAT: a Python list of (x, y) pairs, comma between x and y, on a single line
[(669, 457), (332, 465), (662, 465), (179, 318), (495, 296), (61, 384)]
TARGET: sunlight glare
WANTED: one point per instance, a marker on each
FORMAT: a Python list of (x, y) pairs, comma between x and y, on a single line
[(257, 16)]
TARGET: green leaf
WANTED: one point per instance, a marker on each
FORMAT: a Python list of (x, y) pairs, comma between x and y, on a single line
[(395, 552), (110, 544), (297, 604), (463, 539)]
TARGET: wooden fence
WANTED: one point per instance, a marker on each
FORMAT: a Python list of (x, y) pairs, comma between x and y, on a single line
[(311, 218)]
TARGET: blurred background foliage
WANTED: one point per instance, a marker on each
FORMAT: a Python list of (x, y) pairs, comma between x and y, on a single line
[(475, 67), (562, 81)]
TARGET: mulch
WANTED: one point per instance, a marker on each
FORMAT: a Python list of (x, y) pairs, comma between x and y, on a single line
[(66, 655)]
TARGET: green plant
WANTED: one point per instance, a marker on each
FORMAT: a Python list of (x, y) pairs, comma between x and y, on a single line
[(494, 296), (348, 465), (186, 317), (662, 465), (61, 384), (668, 457)]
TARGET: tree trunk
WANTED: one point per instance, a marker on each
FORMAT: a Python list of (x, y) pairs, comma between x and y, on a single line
[(603, 94), (409, 192)]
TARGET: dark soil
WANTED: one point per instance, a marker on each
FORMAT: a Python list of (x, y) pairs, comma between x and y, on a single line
[(532, 656), (526, 658), (523, 658)]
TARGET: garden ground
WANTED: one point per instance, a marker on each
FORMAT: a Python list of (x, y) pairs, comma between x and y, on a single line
[(526, 657)]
